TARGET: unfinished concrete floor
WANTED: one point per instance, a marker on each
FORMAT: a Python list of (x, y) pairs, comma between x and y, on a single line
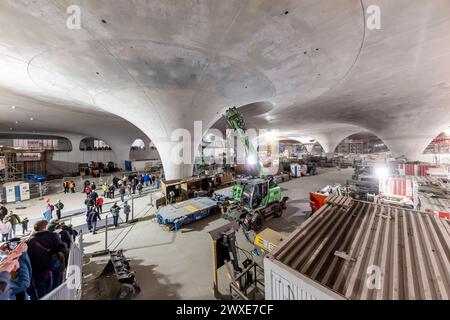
[(178, 265)]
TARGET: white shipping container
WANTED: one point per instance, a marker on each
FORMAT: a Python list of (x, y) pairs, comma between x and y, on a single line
[(283, 283)]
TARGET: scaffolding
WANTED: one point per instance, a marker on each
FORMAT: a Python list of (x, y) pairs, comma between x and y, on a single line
[(12, 169), (16, 163)]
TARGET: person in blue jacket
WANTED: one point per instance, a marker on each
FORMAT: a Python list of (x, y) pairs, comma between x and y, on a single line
[(5, 285), (92, 218), (20, 284), (146, 179), (48, 213)]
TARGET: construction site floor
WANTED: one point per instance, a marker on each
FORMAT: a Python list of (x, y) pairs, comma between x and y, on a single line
[(178, 265)]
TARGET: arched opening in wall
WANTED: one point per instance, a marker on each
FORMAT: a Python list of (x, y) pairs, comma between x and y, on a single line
[(440, 144), (94, 144), (138, 145), (220, 146), (138, 150), (361, 143), (300, 147), (439, 148), (144, 156), (214, 151), (291, 148)]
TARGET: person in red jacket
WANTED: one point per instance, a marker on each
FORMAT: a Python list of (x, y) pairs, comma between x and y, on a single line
[(99, 205)]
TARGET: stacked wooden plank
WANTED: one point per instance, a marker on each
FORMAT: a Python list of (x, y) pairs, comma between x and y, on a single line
[(437, 206), (363, 250), (434, 196), (433, 183)]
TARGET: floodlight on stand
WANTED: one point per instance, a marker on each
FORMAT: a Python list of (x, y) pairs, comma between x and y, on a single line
[(381, 172), (251, 160)]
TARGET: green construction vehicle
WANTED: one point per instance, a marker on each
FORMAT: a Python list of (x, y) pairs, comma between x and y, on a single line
[(238, 189), (202, 165), (254, 199)]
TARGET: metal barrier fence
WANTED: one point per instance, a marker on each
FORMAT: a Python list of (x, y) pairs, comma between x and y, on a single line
[(70, 289), (151, 204)]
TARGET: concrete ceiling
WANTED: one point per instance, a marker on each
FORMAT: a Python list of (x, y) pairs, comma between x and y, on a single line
[(161, 65), (23, 114)]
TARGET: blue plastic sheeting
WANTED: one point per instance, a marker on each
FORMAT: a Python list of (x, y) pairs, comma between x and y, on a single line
[(221, 198), (186, 212)]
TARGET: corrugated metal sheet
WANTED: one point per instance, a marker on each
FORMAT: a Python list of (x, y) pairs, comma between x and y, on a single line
[(346, 240)]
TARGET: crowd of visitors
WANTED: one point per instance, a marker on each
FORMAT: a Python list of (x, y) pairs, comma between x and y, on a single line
[(129, 185), (44, 252), (42, 261), (42, 255), (126, 186)]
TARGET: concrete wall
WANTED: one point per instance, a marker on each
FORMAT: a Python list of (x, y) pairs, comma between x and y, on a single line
[(60, 167), (65, 159), (77, 156), (145, 154)]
